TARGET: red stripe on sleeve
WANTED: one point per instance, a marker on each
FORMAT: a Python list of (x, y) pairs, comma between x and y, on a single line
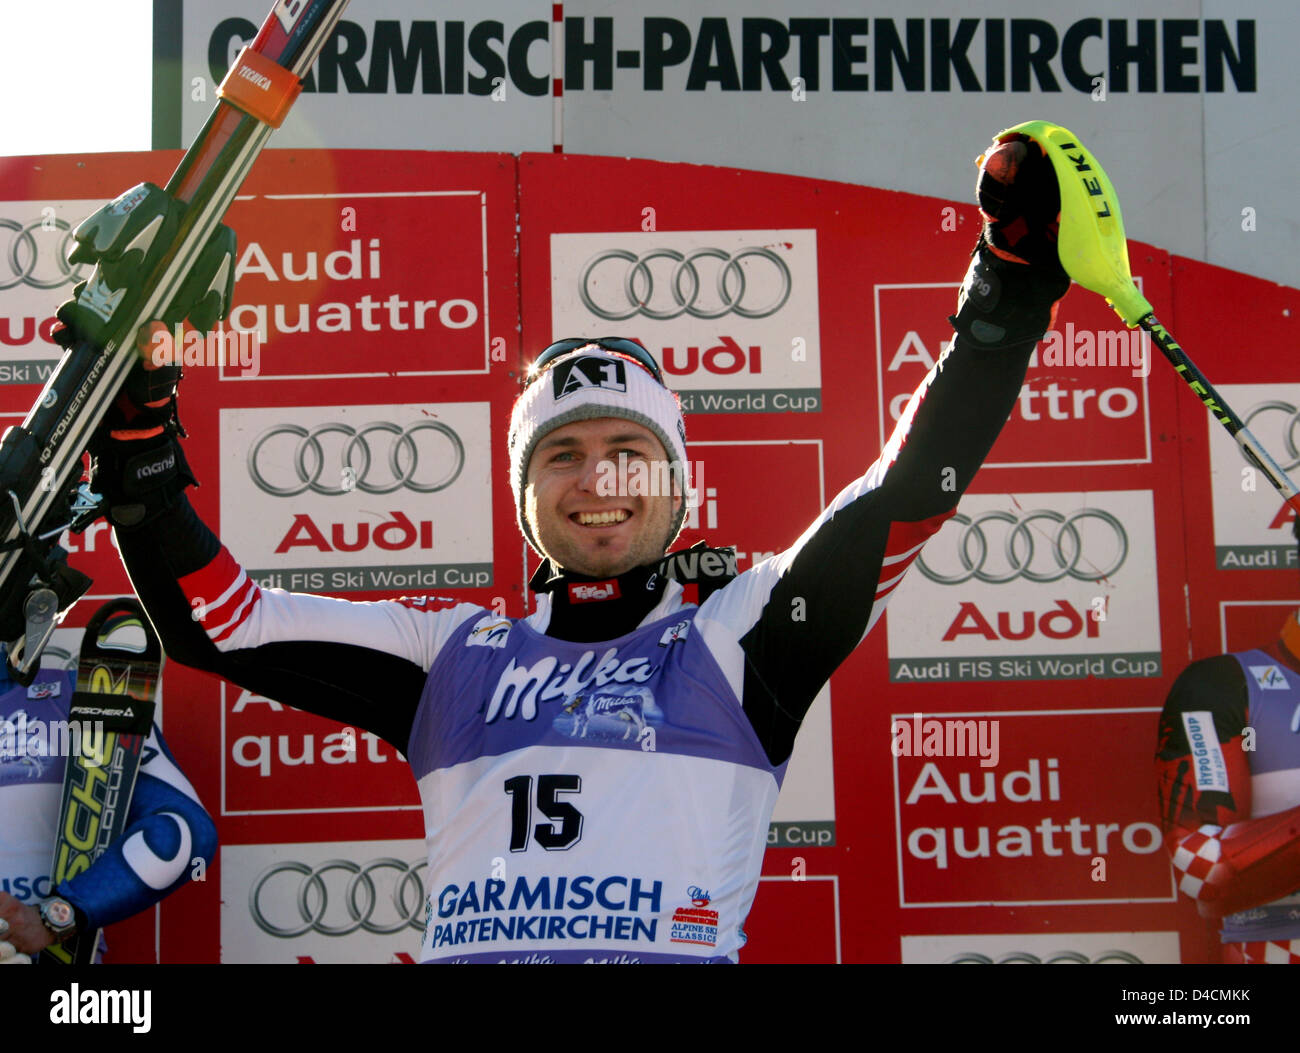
[(205, 587), (207, 583), (222, 621), (906, 538)]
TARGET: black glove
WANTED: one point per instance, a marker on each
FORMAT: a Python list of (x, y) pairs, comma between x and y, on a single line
[(136, 460), (1015, 278)]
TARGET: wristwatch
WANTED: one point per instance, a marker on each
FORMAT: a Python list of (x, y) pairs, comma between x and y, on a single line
[(60, 917)]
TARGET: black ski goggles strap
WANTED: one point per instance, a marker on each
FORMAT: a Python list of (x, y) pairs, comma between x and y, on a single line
[(707, 567), (617, 345)]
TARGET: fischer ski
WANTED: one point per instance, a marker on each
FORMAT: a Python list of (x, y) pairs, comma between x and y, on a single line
[(112, 710), (160, 254)]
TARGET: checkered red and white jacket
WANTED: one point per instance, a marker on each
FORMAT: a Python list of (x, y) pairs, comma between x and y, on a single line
[(1229, 773)]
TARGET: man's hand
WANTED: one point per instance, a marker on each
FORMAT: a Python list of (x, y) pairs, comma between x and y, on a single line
[(144, 407), (23, 928), (135, 460), (1020, 202), (1015, 280)]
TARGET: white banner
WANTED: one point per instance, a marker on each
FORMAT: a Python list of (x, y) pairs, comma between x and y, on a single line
[(342, 901), (1182, 99), (359, 498), (730, 315), (1032, 587)]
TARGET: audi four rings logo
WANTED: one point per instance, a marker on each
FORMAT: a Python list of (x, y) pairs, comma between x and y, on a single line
[(360, 898), (1288, 433), (1063, 544), (23, 255), (426, 456), (685, 284), (1058, 958)]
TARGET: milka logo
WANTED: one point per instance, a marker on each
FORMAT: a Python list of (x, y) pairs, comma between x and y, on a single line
[(522, 687)]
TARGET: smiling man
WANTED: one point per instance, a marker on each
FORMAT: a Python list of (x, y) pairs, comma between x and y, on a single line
[(598, 776), (592, 411), (567, 513)]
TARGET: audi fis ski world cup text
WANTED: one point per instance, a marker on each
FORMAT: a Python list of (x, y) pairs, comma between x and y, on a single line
[(1031, 586), (353, 498)]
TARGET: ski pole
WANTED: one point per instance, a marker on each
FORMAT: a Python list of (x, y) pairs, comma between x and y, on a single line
[(1094, 252)]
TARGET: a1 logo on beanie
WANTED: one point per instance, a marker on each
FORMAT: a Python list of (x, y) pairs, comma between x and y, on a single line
[(589, 371)]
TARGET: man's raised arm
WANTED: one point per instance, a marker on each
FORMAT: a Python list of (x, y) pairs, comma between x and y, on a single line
[(360, 663), (789, 622)]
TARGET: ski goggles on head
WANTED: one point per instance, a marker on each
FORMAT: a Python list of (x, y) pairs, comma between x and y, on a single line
[(617, 345)]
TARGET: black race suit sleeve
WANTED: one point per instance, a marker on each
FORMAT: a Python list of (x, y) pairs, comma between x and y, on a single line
[(781, 628)]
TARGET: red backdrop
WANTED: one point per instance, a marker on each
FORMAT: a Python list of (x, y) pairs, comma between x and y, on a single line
[(792, 314)]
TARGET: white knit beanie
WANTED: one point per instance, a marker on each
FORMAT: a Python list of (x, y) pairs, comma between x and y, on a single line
[(585, 384)]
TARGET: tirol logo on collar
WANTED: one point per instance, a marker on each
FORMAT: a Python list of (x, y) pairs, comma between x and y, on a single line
[(588, 371), (591, 591)]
